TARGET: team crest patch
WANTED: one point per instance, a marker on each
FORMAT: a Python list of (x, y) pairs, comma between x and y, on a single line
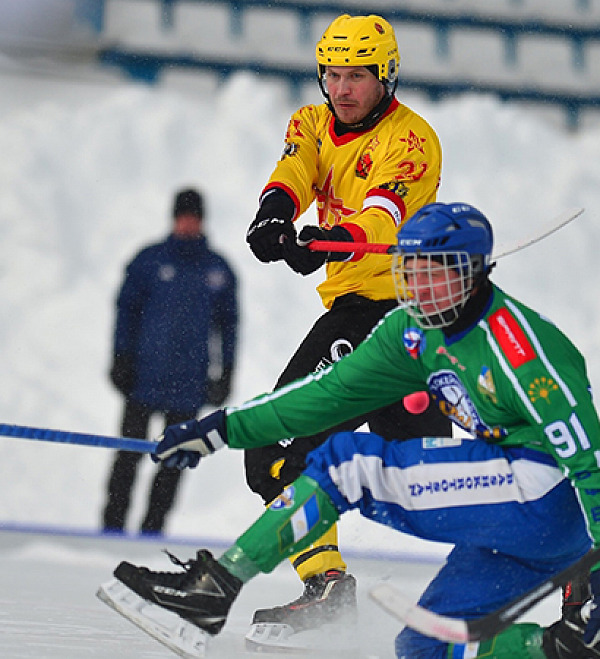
[(364, 165), (511, 338), (454, 401), (414, 341)]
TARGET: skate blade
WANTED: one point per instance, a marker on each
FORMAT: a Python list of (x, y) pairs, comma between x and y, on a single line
[(334, 639), (180, 636), (271, 637)]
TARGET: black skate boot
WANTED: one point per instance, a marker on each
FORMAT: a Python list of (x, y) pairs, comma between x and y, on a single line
[(202, 594), (327, 598)]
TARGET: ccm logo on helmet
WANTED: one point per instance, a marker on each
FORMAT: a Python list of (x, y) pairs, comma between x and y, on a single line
[(409, 242), (338, 49)]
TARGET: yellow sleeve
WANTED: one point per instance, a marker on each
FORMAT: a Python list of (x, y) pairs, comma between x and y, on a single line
[(297, 170)]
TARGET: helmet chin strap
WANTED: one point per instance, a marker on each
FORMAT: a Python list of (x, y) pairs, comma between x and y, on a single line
[(366, 122)]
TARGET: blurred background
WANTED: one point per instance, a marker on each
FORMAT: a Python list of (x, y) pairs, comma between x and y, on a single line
[(106, 107)]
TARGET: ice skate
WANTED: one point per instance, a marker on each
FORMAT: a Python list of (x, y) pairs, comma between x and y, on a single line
[(328, 598), (179, 609)]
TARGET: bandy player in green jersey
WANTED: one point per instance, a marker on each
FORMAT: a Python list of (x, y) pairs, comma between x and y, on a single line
[(519, 499)]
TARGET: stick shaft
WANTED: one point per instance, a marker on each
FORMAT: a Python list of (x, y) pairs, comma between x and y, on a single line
[(456, 630), (82, 439), (335, 246), (516, 246)]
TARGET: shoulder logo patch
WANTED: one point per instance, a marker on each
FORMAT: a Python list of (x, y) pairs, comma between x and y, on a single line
[(512, 339), (414, 341), (486, 386)]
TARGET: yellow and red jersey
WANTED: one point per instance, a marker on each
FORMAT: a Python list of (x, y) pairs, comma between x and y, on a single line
[(370, 182)]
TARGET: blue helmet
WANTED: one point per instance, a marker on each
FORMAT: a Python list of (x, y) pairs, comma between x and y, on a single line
[(448, 228), (453, 243)]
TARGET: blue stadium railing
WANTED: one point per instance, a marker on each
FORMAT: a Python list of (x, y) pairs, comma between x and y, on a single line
[(148, 65)]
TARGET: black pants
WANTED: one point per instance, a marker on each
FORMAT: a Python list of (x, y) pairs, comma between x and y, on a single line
[(136, 418), (336, 333)]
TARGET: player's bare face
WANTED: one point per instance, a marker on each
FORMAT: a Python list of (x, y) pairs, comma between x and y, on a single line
[(353, 90), (434, 287)]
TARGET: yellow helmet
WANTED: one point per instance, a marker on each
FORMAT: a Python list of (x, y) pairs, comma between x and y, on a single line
[(361, 41)]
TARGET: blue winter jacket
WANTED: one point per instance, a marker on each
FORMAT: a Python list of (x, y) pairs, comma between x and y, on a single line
[(175, 295)]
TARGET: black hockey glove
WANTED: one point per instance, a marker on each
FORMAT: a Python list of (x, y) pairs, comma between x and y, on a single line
[(272, 223), (122, 373), (302, 260), (182, 445), (265, 237), (218, 389)]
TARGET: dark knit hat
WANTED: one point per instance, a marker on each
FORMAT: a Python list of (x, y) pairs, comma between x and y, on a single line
[(188, 201)]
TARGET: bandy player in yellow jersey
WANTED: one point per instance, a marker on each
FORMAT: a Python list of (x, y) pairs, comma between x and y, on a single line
[(370, 163)]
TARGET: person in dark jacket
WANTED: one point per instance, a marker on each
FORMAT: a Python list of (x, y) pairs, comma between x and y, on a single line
[(174, 349)]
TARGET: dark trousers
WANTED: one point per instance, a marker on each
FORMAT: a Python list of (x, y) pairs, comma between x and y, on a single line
[(336, 333), (136, 419)]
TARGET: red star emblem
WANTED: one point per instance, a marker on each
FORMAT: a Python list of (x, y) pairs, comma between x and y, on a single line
[(294, 129), (327, 203), (414, 142)]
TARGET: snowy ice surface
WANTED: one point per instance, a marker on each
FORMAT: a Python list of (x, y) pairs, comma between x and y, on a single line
[(48, 608), (88, 168)]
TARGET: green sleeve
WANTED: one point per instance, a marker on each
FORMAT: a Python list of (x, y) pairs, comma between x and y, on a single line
[(558, 401), (572, 433), (376, 374)]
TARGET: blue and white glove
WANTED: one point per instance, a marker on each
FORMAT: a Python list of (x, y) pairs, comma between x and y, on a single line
[(182, 445), (591, 636)]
